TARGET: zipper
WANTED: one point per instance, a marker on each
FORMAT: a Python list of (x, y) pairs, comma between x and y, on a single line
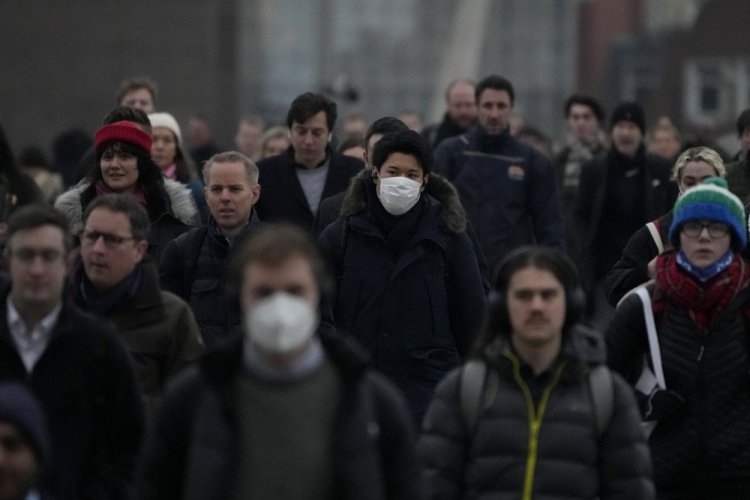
[(535, 420)]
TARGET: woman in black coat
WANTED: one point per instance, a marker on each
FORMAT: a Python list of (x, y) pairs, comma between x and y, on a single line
[(701, 307)]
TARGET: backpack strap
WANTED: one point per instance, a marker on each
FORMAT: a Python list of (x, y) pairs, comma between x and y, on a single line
[(479, 387), (478, 390), (602, 394), (656, 235), (192, 251)]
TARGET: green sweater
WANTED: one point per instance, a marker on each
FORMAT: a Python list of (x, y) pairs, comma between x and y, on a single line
[(285, 434)]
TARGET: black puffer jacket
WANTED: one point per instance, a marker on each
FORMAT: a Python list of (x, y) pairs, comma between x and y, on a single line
[(194, 267), (502, 457), (706, 444)]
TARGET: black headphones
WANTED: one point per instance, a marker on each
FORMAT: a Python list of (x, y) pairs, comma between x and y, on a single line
[(545, 258)]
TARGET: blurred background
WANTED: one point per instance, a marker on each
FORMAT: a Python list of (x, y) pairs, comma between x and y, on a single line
[(62, 61)]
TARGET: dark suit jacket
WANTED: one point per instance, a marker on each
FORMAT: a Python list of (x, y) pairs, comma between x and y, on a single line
[(282, 198)]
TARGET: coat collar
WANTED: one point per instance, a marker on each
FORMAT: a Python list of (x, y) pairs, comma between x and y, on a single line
[(439, 191)]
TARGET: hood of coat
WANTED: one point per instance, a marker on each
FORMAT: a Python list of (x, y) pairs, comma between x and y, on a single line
[(181, 202), (582, 348), (180, 199), (439, 189)]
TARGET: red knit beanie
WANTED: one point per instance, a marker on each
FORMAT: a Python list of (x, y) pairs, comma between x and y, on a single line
[(125, 132)]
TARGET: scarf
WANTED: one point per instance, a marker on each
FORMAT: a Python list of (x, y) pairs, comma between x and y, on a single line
[(580, 151), (102, 302), (704, 301), (170, 171), (138, 194)]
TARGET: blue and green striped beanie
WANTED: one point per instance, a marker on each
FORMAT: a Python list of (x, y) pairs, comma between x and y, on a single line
[(710, 201)]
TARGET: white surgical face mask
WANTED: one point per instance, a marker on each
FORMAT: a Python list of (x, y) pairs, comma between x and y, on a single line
[(398, 194), (280, 323)]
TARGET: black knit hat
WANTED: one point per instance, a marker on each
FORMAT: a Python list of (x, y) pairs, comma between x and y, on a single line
[(629, 111), (19, 407)]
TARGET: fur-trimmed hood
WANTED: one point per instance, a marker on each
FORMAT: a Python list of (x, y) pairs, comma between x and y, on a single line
[(181, 203), (439, 190)]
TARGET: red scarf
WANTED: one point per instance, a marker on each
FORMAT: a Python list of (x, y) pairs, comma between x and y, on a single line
[(138, 194), (704, 301)]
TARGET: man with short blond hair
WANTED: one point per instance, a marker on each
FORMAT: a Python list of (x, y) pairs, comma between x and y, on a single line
[(194, 264)]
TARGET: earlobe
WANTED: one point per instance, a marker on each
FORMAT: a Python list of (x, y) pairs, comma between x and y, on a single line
[(141, 247), (425, 181)]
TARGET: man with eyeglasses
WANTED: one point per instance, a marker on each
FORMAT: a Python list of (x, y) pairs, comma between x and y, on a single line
[(75, 365), (118, 281)]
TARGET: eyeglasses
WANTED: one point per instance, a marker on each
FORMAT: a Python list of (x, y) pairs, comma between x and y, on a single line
[(693, 229), (111, 241), (27, 255)]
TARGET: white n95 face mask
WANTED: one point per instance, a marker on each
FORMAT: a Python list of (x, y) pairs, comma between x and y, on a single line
[(398, 194), (281, 323)]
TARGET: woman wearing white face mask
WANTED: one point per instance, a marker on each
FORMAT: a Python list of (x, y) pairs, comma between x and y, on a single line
[(408, 284)]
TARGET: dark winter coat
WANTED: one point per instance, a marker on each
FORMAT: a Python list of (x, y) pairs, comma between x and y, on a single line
[(417, 313), (631, 270), (501, 457), (567, 165), (507, 188), (330, 210), (658, 192), (158, 329), (192, 454), (738, 179), (86, 384), (283, 198), (705, 447), (194, 267), (438, 132), (179, 214)]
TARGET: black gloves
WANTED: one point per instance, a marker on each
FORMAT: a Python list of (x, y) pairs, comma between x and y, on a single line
[(662, 405)]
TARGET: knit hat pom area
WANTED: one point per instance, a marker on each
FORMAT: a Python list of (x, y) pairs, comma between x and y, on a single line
[(710, 201), (125, 132)]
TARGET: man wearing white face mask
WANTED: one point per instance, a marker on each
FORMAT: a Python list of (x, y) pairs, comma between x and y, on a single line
[(289, 411), (408, 284)]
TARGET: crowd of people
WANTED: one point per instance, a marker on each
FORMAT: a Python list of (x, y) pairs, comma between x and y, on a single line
[(394, 313)]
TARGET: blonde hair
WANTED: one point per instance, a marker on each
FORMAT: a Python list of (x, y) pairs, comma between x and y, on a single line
[(700, 153)]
